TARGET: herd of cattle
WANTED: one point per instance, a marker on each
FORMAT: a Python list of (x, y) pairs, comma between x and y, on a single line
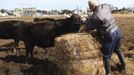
[(40, 32)]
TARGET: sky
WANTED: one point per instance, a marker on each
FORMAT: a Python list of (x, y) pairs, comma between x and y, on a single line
[(59, 4)]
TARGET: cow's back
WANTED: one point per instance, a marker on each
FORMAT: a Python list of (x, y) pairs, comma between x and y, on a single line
[(40, 33), (8, 29)]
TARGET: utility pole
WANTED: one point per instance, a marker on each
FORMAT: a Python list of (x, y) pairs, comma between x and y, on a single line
[(132, 10), (77, 9)]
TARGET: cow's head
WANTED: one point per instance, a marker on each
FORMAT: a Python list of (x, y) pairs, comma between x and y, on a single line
[(75, 22)]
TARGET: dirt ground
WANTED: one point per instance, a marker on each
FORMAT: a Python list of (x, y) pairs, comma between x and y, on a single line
[(11, 64)]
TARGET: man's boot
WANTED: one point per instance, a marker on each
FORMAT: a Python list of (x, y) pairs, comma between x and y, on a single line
[(107, 65), (122, 60)]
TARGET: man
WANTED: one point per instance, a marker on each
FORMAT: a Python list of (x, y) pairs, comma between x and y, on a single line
[(109, 33)]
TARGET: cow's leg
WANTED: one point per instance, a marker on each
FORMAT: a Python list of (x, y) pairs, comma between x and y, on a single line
[(29, 49), (16, 44)]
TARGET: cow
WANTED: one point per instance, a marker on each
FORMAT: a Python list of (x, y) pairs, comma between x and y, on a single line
[(77, 18), (9, 30), (43, 33)]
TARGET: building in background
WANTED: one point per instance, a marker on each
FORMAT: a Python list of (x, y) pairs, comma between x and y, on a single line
[(17, 12), (3, 13), (20, 12), (29, 12)]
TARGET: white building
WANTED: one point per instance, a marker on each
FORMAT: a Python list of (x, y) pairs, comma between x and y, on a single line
[(29, 11), (18, 12)]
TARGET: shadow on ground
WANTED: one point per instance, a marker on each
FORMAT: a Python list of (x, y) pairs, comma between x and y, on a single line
[(15, 65)]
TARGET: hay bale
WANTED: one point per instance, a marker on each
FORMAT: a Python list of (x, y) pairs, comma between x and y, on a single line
[(78, 54)]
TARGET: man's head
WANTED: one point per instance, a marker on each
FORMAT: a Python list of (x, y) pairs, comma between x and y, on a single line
[(92, 4)]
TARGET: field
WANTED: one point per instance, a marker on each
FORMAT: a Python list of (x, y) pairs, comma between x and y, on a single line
[(14, 65), (126, 24)]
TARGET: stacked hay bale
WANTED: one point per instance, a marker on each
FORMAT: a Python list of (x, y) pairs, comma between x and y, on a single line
[(78, 54)]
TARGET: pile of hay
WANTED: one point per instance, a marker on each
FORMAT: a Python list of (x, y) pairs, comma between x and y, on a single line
[(78, 54)]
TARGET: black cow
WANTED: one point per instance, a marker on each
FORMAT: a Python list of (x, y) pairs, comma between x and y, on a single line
[(10, 30), (43, 33)]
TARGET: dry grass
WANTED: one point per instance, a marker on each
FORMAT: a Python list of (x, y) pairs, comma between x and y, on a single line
[(76, 52), (126, 24), (124, 15)]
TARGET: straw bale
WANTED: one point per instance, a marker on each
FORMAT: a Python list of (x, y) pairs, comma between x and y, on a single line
[(78, 54)]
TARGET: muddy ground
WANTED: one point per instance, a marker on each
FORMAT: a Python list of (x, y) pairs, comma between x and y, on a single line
[(11, 64)]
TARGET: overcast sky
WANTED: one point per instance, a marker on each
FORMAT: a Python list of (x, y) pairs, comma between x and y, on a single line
[(59, 4)]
